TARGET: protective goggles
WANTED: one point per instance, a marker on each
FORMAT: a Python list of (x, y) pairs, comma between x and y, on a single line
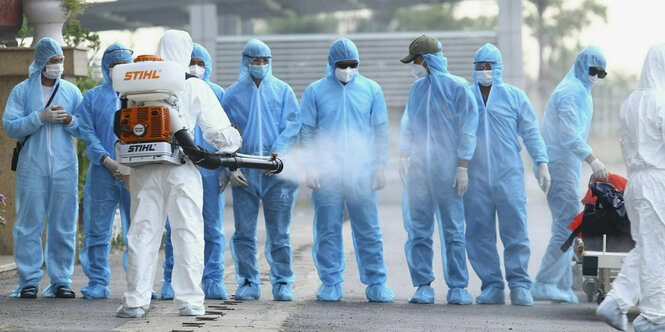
[(258, 56), (342, 65), (483, 65), (601, 73), (120, 53)]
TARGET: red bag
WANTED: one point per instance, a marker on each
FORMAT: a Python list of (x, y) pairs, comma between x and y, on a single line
[(617, 181)]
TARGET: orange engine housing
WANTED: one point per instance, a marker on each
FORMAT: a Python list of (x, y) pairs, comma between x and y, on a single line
[(154, 119)]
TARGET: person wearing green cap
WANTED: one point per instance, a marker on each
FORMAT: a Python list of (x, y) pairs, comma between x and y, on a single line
[(438, 141)]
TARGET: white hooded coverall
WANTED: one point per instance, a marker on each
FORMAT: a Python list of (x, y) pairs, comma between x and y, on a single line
[(642, 276), (159, 191)]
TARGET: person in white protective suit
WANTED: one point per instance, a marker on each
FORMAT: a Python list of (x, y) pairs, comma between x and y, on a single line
[(159, 191), (642, 277)]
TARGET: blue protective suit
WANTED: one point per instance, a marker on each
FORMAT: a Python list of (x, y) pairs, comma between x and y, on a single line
[(441, 129), (268, 119), (345, 138), (565, 129), (103, 193), (496, 179), (408, 224), (46, 177), (213, 211)]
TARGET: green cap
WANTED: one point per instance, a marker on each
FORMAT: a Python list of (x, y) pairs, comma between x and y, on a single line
[(422, 45)]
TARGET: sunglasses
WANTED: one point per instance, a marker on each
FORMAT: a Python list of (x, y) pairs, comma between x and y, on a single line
[(601, 73), (341, 65)]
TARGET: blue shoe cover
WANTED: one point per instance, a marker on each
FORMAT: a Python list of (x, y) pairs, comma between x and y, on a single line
[(379, 293), (641, 324), (491, 295), (520, 296), (571, 298), (547, 292), (214, 289), (330, 293), (195, 310), (124, 312), (610, 313), (459, 296), (153, 295), (423, 295), (282, 292), (95, 292), (248, 291), (166, 291)]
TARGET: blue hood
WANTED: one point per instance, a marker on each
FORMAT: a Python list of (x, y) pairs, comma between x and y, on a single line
[(342, 49), (113, 53), (436, 62), (590, 56), (254, 49), (490, 53), (199, 52)]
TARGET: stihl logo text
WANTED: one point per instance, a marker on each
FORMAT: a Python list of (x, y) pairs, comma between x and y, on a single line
[(142, 75), (141, 148)]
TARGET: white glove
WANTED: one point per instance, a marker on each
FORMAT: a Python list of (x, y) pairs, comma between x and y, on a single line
[(238, 179), (53, 114), (312, 179), (403, 168), (114, 168), (268, 172), (599, 170), (223, 180), (461, 181), (544, 177), (379, 178)]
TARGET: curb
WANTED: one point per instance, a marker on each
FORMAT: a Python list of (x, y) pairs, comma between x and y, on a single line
[(8, 271)]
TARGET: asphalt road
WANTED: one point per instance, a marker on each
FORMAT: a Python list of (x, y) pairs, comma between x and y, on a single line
[(353, 313)]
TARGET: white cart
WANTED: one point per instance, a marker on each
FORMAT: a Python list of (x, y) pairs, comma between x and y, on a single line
[(599, 269)]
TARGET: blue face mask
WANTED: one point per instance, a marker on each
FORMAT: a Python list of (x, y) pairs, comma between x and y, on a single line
[(258, 72)]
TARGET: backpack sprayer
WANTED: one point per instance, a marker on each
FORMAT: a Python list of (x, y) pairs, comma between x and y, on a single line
[(149, 126)]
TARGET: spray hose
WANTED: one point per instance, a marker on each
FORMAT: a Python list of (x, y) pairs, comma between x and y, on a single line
[(210, 160)]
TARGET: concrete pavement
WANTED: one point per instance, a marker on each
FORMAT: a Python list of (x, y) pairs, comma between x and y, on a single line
[(353, 313)]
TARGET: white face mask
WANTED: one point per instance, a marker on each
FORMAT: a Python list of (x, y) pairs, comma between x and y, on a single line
[(54, 71), (418, 70), (345, 75), (197, 71), (593, 80), (484, 77)]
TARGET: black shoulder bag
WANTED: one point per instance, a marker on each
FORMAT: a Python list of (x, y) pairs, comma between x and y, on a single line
[(19, 145)]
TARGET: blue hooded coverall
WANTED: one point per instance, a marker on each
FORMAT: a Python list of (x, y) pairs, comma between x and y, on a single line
[(565, 129), (425, 295), (345, 137), (103, 193), (496, 181), (441, 129), (268, 119), (213, 211), (46, 177)]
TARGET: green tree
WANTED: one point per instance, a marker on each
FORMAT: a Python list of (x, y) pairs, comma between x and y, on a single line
[(437, 16), (77, 36), (556, 24)]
